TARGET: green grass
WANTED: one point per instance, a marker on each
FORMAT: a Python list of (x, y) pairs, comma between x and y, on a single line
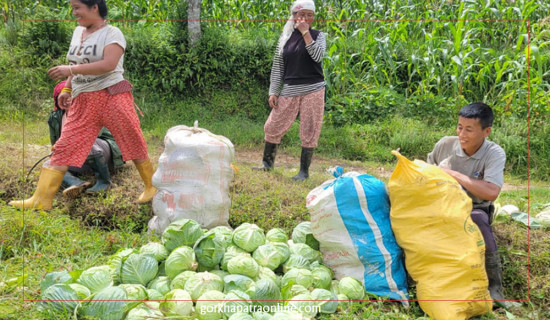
[(53, 241), (82, 233), (372, 141), (395, 84), (533, 199)]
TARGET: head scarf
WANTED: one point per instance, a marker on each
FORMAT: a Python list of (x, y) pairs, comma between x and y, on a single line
[(289, 26), (56, 92), (302, 5)]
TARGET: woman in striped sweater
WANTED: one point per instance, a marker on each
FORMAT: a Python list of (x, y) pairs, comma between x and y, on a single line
[(297, 86)]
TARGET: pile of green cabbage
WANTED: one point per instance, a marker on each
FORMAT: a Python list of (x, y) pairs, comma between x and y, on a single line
[(201, 274)]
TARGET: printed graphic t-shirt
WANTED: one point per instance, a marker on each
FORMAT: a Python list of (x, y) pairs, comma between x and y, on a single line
[(91, 50)]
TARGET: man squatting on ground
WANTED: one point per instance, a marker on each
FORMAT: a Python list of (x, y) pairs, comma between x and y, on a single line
[(478, 165)]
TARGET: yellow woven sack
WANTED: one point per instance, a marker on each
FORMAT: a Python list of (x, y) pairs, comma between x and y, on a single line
[(444, 249)]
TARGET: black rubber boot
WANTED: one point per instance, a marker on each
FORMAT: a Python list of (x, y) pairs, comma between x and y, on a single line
[(73, 186), (102, 174), (305, 161), (268, 161), (494, 273)]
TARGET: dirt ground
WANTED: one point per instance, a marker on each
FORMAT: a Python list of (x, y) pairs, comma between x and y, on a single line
[(254, 157), (250, 157)]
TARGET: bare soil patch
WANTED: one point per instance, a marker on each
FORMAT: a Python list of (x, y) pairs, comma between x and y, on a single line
[(13, 169), (320, 163)]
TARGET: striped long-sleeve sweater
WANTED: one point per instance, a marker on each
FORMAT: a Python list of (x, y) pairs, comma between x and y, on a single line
[(277, 87)]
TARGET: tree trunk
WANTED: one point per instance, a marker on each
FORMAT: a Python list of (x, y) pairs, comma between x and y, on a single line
[(193, 21)]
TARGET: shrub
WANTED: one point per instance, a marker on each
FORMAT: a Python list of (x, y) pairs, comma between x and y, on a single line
[(222, 60), (46, 35)]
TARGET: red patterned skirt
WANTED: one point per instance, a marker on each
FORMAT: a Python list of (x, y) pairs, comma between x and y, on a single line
[(91, 111)]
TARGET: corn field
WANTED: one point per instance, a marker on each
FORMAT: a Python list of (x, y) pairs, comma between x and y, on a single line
[(426, 54)]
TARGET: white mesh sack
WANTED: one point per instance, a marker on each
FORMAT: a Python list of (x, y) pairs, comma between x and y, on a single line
[(193, 177)]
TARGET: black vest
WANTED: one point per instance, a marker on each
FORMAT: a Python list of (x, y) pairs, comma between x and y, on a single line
[(300, 68)]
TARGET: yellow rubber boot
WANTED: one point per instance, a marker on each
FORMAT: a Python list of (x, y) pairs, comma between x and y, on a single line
[(48, 183), (146, 172)]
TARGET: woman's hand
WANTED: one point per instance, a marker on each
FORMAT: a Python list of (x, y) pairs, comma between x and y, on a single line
[(301, 25), (59, 72), (273, 101), (64, 100)]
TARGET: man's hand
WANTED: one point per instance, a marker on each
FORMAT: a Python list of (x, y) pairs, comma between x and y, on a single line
[(449, 171), (479, 188)]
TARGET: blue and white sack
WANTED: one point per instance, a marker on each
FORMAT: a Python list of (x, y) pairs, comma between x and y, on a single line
[(350, 217)]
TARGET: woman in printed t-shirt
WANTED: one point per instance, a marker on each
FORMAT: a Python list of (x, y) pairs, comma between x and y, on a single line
[(96, 95), (297, 86)]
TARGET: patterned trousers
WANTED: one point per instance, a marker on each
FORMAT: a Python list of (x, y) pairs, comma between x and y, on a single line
[(311, 108), (89, 112)]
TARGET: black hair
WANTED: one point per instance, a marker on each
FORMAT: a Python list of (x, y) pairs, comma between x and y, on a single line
[(101, 6), (480, 111)]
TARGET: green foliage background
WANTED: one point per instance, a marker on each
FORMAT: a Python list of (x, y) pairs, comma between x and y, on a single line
[(399, 70), (397, 73)]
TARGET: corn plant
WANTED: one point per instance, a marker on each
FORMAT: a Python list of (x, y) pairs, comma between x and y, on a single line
[(443, 52)]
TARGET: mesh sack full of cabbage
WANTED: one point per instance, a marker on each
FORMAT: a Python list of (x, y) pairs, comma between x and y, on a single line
[(193, 177)]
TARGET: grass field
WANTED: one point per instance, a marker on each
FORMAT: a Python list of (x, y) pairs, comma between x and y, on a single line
[(82, 233)]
